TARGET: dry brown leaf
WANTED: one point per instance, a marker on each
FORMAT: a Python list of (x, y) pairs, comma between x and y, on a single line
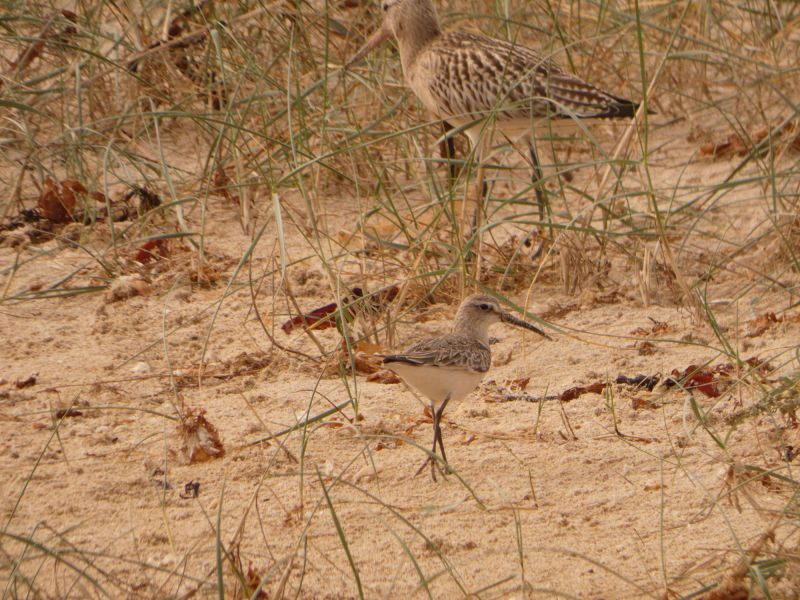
[(646, 348), (75, 186), (28, 55), (68, 412), (760, 324), (637, 403), (365, 357), (577, 391), (244, 363), (658, 327), (200, 437), (519, 384), (732, 146), (54, 205), (253, 579), (383, 376), (152, 250), (556, 311), (126, 286), (23, 383), (204, 273), (704, 381), (736, 146), (367, 364)]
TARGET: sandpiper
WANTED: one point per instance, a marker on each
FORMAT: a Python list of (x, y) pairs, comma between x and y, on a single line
[(465, 79), (446, 369)]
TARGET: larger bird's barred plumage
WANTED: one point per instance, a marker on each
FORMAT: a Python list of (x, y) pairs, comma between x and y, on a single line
[(468, 76)]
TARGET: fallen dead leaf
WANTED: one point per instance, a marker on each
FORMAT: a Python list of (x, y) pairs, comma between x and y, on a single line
[(126, 286), (253, 580), (319, 318), (646, 348), (23, 383), (244, 363), (383, 376), (730, 147), (556, 311), (367, 364), (695, 378), (68, 412), (647, 382), (658, 327), (637, 403), (734, 145), (575, 392), (760, 324), (152, 250), (200, 437), (75, 186), (54, 204)]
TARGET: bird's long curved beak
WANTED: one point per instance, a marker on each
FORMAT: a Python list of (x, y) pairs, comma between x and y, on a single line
[(512, 320), (373, 42)]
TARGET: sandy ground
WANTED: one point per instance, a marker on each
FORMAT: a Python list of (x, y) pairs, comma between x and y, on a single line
[(548, 495), (544, 492)]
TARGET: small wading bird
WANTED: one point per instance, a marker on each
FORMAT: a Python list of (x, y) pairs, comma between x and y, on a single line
[(447, 368), (465, 79)]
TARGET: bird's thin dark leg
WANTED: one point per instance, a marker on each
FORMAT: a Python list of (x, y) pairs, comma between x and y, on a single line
[(429, 458), (438, 431), (538, 184), (483, 195), (447, 150), (437, 439), (484, 184)]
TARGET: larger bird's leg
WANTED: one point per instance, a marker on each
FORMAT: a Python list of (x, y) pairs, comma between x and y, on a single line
[(481, 148), (447, 150), (538, 183)]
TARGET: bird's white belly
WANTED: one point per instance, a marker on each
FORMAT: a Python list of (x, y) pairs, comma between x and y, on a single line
[(436, 383)]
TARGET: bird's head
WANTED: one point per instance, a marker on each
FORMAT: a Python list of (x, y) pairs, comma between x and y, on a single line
[(481, 310), (410, 22)]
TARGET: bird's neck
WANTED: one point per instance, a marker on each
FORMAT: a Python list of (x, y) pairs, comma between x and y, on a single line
[(419, 27), (464, 324)]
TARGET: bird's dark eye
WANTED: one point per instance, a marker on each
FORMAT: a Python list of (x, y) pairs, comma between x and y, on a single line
[(485, 306), (385, 6)]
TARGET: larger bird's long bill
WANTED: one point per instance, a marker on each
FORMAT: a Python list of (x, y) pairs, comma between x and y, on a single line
[(511, 319), (373, 42)]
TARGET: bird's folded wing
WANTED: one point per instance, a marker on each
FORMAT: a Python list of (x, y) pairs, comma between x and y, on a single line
[(472, 75), (449, 351)]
